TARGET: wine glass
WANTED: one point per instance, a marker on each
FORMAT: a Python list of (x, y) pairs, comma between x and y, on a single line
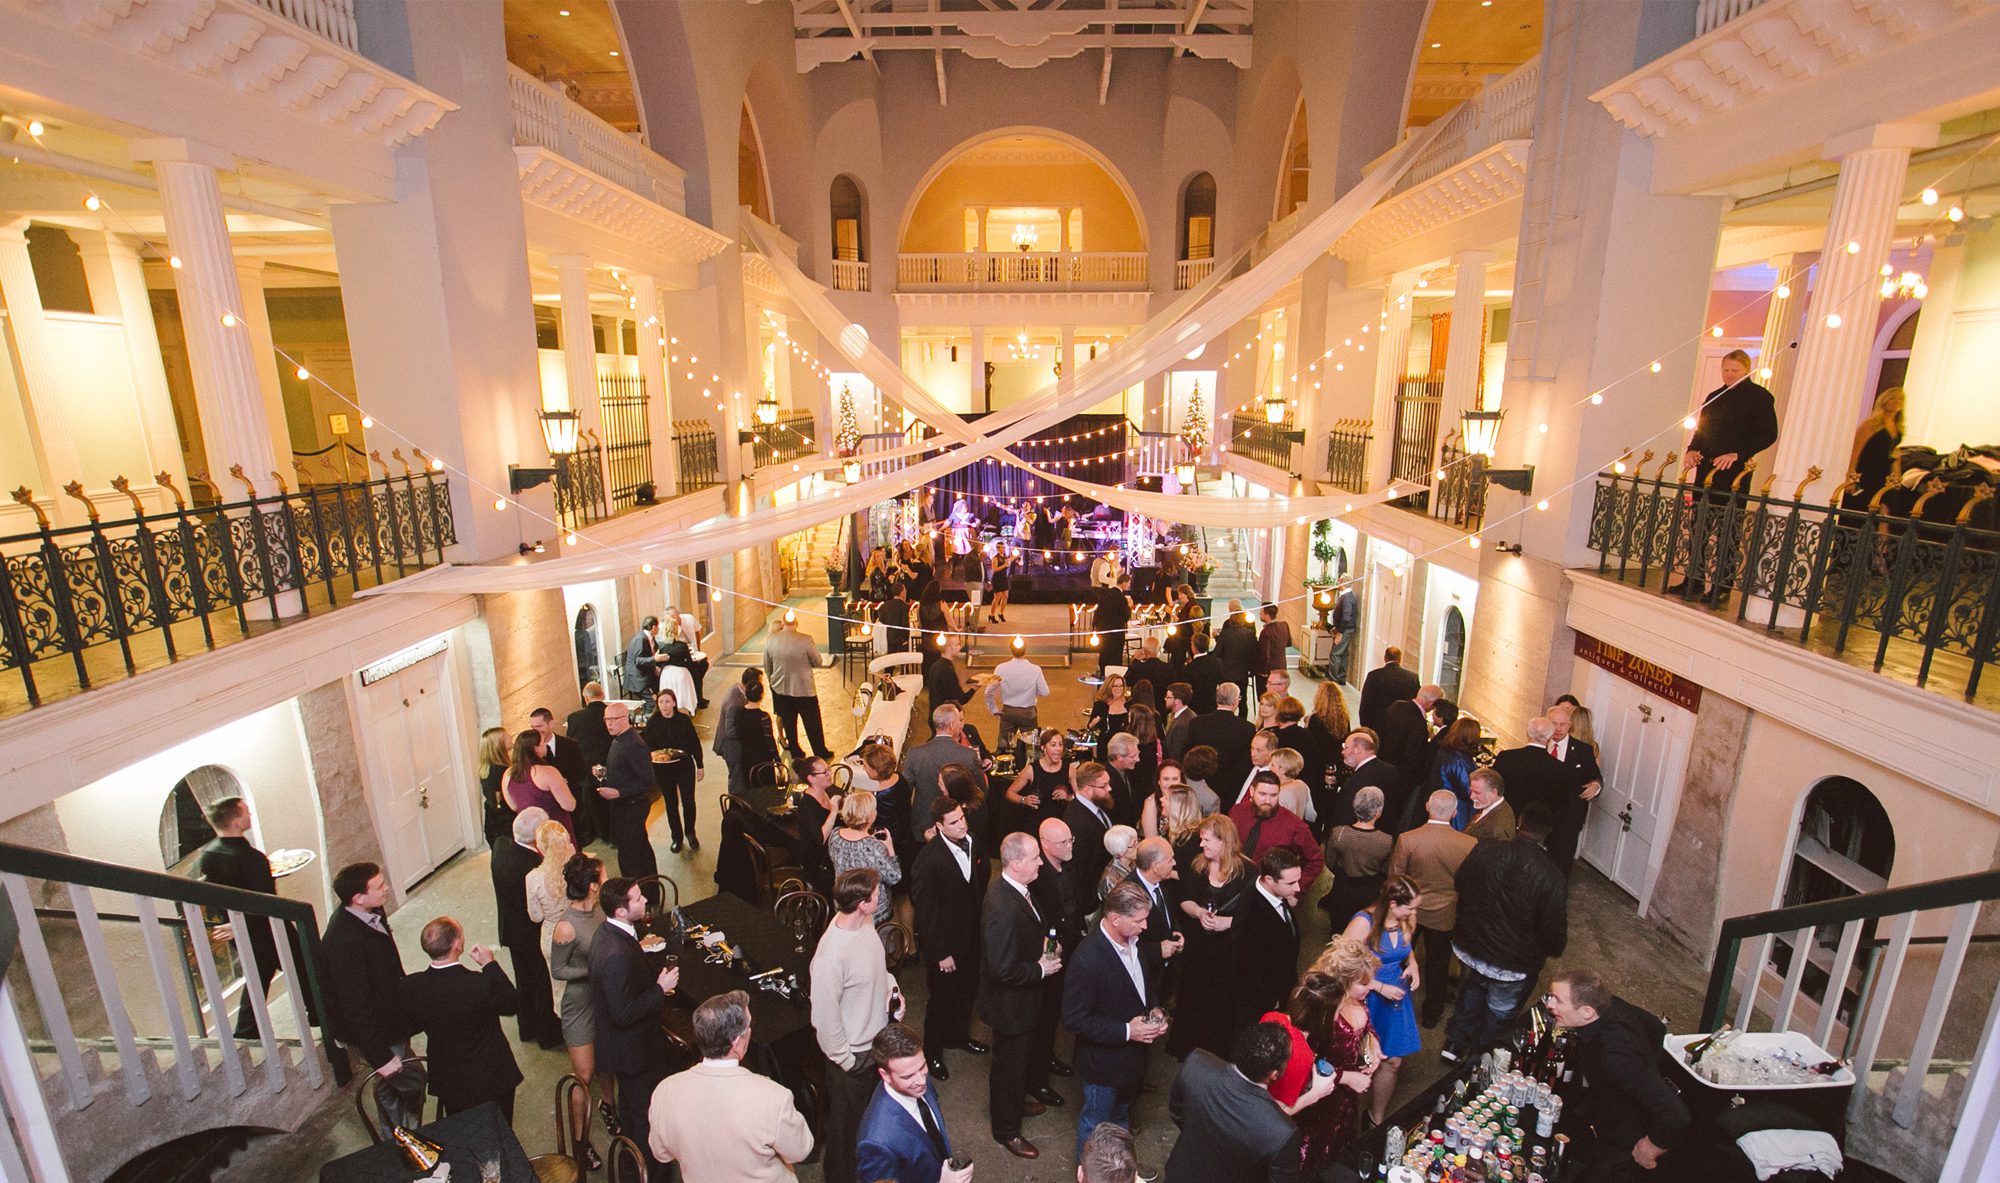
[(801, 926)]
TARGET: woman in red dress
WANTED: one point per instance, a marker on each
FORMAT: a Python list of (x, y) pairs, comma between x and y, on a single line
[(1328, 1018)]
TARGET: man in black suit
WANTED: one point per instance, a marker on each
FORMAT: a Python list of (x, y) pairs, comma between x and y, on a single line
[(1064, 898), (1151, 868), (585, 726), (1573, 810), (1236, 650), (1230, 735), (947, 884), (1406, 731), (1108, 620), (643, 660), (1121, 756), (459, 1010), (1535, 777), (361, 976), (1089, 818), (511, 865), (1267, 936), (1384, 685), (231, 861), (1014, 964), (1346, 619), (1203, 673), (1111, 990), (625, 1001), (1180, 716), (628, 784), (1231, 1129), (1365, 768), (894, 616), (1149, 668), (565, 755)]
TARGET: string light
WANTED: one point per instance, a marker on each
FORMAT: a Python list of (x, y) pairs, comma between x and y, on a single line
[(229, 320)]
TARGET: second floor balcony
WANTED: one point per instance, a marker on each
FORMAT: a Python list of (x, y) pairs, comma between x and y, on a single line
[(546, 118), (1022, 271)]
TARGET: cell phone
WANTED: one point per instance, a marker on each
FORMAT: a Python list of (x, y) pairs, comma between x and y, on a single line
[(1323, 1067)]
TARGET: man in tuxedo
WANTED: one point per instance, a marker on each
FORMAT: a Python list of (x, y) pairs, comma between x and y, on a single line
[(1149, 668), (1365, 769), (1232, 1131), (1121, 756), (459, 1010), (511, 864), (1203, 673), (947, 884), (1089, 817), (1108, 621), (894, 617), (902, 1137), (1385, 684), (1232, 737), (566, 757), (1236, 649), (1267, 936), (1430, 855), (1174, 733), (1013, 967), (1492, 817), (1406, 731), (361, 975), (230, 860), (625, 1001), (923, 762), (587, 733), (1346, 619), (1533, 775), (1573, 810), (1063, 897), (628, 785), (1111, 989)]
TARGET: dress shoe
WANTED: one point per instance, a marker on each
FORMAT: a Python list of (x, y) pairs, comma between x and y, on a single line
[(675, 846), (694, 843), (1033, 1108), (938, 1068), (1061, 1068), (1021, 1148), (974, 1047), (1047, 1096)]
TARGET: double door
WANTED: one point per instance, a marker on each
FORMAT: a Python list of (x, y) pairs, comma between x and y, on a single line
[(1642, 748), (415, 766)]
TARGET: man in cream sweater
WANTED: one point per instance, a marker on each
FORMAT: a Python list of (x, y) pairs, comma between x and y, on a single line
[(852, 999), (722, 1122)]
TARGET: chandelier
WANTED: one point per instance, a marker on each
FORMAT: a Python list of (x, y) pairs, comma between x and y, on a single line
[(1025, 237)]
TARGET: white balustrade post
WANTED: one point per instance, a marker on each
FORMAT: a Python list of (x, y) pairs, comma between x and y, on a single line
[(1465, 353), (1392, 343), (1827, 386), (236, 425)]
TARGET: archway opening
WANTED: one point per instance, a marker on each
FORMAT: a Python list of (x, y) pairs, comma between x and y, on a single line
[(589, 647), (1023, 193), (1197, 221), (753, 184), (1451, 653), (850, 243), (184, 827), (1295, 169), (1845, 846)]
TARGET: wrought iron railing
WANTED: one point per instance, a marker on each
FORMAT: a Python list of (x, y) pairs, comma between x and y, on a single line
[(1347, 455), (65, 590), (1268, 443), (694, 443), (1419, 401), (580, 483), (628, 438), (784, 441), (1458, 489), (1802, 569)]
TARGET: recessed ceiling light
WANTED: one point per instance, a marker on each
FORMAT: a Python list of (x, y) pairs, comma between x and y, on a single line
[(1485, 3), (1437, 45), (562, 12), (614, 53)]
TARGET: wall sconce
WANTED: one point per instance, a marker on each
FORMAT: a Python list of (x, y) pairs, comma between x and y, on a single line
[(559, 431), (767, 408), (1274, 408), (850, 470), (520, 480), (1482, 436)]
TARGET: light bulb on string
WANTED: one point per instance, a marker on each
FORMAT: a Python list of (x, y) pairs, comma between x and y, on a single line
[(569, 539), (1655, 367), (500, 503), (1956, 213), (715, 597), (304, 374), (1929, 196), (367, 422), (1596, 400), (92, 203), (35, 128), (229, 320), (1784, 291), (645, 568)]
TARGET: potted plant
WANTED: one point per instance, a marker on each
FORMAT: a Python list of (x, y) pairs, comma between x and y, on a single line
[(834, 574), (1199, 567), (1323, 550)]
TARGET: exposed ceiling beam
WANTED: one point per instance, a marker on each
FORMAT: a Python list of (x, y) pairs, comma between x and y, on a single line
[(1104, 78), (937, 59), (854, 31)]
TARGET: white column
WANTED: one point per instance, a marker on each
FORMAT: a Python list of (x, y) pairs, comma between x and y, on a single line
[(579, 349), (652, 331), (1392, 345), (263, 346), (977, 395), (1063, 214), (1067, 350), (53, 437), (1465, 352), (1818, 426), (1784, 319), (236, 425), (118, 280)]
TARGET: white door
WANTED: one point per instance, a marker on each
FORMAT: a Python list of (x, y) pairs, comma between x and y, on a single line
[(1382, 615), (413, 755), (1642, 743)]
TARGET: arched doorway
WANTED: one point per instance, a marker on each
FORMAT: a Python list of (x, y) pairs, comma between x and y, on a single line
[(184, 827), (1892, 351), (844, 206), (588, 640), (1295, 168), (753, 183), (1451, 655), (1845, 845), (1197, 221)]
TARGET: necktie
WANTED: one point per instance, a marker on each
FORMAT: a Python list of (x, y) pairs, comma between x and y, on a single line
[(1250, 842), (1552, 750), (931, 1129)]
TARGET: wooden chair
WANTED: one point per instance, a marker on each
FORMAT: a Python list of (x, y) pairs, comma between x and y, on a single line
[(655, 888), (626, 1163), (566, 1164), (802, 913), (899, 944), (366, 1093)]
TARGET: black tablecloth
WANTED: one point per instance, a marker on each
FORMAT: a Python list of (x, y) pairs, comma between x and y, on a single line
[(764, 946), (770, 828), (466, 1138)]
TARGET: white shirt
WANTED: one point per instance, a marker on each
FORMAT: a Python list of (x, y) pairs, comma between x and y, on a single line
[(964, 859), (1023, 889), (1489, 809), (1275, 902), (719, 1062), (623, 926), (910, 1104), (1128, 956), (1562, 749), (1020, 683), (1093, 808)]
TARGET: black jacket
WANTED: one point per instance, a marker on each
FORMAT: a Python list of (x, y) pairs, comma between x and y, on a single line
[(947, 905), (1236, 649), (1742, 419), (1406, 736), (1010, 973), (1112, 613), (510, 866), (628, 768), (1230, 737), (1581, 759), (894, 615), (586, 726), (677, 732), (1513, 905), (1203, 674), (1266, 955), (1624, 1096), (1098, 1001), (567, 757), (466, 1053), (1377, 773), (361, 977), (1064, 898), (1384, 685), (1090, 856), (625, 1002), (233, 862), (1231, 1129), (1151, 669), (1533, 777)]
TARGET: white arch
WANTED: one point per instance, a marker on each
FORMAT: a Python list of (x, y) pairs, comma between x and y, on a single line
[(959, 149)]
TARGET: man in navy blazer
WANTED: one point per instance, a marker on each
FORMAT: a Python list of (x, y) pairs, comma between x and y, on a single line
[(902, 1134), (1111, 990)]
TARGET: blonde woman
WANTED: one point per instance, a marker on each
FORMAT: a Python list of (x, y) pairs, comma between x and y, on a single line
[(1293, 792), (546, 893), (1326, 729), (857, 842), (1875, 442), (1329, 1014), (499, 816), (1212, 886)]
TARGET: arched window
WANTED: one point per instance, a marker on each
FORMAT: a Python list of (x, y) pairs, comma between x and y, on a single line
[(1198, 218), (1892, 356), (844, 203), (184, 827), (752, 181), (1295, 169), (1451, 662), (589, 642), (1845, 846)]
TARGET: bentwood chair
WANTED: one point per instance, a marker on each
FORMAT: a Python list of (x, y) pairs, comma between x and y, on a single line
[(625, 1163), (803, 914), (367, 1093), (566, 1164), (899, 944)]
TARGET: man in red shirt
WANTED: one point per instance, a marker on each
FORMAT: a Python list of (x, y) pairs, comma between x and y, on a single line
[(1263, 824)]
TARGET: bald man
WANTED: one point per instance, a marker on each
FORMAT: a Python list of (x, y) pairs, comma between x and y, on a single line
[(1063, 898)]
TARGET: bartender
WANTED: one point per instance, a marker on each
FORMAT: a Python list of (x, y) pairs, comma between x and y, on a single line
[(1626, 1120)]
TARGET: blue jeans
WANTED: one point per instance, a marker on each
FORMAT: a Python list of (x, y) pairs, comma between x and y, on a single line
[(1485, 1005), (1102, 1103)]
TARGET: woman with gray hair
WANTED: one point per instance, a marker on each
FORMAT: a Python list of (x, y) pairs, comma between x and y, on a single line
[(1358, 856), (1121, 842)]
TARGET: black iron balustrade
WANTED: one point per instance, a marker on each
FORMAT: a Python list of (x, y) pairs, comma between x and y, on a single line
[(580, 483), (1268, 443), (1347, 455), (1458, 490), (784, 441), (694, 444), (628, 438), (1419, 403), (1800, 569), (65, 590)]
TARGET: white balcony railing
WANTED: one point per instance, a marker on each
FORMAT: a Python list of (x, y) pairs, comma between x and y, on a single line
[(1503, 111), (1189, 272), (331, 19), (547, 118), (1053, 271), (850, 275), (1713, 14)]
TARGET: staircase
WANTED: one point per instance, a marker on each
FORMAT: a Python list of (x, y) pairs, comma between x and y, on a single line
[(811, 551), (1235, 575), (115, 1033), (1902, 983)]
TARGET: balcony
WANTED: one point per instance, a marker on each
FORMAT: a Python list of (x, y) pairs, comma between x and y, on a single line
[(850, 275), (1023, 271), (1347, 455), (331, 19), (1188, 273), (1713, 14), (546, 118)]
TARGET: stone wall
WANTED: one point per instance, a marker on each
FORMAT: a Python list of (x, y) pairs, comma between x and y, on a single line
[(532, 664), (349, 825), (1684, 899)]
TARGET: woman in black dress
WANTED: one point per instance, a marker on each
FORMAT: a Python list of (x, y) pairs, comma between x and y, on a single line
[(816, 809), (1001, 581), (493, 760), (1875, 444), (671, 727), (1044, 787), (1111, 712), (1208, 898)]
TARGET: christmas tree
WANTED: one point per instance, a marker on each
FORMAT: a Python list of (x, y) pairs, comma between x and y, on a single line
[(1194, 425), (846, 425)]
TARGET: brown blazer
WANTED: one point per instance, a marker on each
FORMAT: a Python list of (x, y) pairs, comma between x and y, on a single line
[(725, 1124), (1496, 826), (1430, 855)]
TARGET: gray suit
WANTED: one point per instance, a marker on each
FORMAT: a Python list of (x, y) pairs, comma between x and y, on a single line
[(921, 766), (1231, 1130)]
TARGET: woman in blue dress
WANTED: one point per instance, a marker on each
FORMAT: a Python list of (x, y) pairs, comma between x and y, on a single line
[(1386, 931)]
